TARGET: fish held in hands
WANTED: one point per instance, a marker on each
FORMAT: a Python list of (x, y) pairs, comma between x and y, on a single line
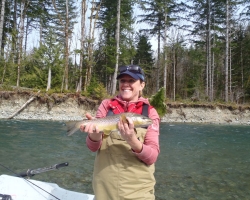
[(109, 123)]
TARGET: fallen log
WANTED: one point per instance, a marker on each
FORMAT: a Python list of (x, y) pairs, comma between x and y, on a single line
[(32, 98)]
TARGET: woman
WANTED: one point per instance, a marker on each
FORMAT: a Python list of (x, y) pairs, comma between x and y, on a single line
[(124, 164)]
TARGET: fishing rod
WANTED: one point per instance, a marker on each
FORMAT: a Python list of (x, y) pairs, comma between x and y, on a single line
[(32, 172)]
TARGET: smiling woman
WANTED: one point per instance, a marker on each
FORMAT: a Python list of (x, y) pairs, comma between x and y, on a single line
[(130, 89), (131, 82), (130, 152)]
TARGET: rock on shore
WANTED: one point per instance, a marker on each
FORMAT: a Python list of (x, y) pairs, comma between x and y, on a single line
[(72, 109)]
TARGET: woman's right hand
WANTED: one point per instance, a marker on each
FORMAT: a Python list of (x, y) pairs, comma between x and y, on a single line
[(92, 130)]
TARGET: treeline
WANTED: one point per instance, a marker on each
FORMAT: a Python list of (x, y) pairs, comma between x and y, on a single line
[(203, 47)]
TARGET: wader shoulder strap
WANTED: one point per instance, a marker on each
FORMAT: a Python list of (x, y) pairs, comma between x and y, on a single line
[(110, 112), (145, 110)]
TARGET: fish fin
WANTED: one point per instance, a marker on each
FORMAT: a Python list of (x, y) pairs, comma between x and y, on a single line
[(71, 127), (124, 119)]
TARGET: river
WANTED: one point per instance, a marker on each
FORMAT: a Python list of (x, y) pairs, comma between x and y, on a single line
[(197, 161)]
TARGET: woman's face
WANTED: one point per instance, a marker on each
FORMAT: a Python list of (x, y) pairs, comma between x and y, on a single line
[(130, 88)]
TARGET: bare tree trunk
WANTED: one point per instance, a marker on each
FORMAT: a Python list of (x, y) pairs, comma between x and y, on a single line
[(22, 16), (241, 66), (230, 76), (66, 53), (209, 68), (4, 71), (91, 39), (40, 34), (14, 34), (165, 56), (26, 36), (212, 80), (117, 47), (91, 44), (67, 47), (158, 62), (1, 23), (174, 75), (88, 64), (83, 18), (226, 51), (90, 48), (1, 36), (41, 26), (7, 53), (49, 79)]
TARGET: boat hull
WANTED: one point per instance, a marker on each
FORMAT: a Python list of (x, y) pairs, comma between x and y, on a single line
[(20, 189)]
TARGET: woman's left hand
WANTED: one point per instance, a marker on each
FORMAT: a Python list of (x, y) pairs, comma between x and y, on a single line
[(126, 129), (127, 132)]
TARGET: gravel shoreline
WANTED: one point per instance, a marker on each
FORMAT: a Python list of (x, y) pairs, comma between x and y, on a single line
[(71, 110)]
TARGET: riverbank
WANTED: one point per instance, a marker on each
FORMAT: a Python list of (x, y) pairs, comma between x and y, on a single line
[(73, 107)]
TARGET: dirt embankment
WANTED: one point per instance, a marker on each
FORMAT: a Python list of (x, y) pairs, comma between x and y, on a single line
[(200, 113), (45, 107), (74, 107)]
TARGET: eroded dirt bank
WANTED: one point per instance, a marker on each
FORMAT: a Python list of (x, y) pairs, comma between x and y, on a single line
[(74, 107)]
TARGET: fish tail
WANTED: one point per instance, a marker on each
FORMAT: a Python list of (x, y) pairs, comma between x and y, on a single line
[(71, 128)]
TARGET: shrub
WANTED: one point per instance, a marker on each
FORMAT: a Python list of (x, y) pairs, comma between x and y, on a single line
[(158, 101)]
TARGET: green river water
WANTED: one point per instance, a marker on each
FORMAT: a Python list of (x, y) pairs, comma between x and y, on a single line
[(197, 161)]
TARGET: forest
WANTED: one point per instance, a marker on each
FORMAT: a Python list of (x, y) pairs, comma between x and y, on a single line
[(195, 50)]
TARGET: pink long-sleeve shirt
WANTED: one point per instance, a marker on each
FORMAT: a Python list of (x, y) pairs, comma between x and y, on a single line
[(150, 147)]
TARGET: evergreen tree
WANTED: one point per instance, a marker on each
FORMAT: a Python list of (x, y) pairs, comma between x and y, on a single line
[(240, 64), (144, 58), (144, 52), (107, 22)]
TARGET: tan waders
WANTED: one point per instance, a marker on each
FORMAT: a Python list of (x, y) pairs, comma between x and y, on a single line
[(119, 174)]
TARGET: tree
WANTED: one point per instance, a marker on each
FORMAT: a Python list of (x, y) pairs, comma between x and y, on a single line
[(82, 41), (226, 50), (107, 23), (66, 14), (23, 6), (157, 15), (89, 60), (117, 38), (2, 22), (240, 59), (45, 66), (144, 53), (201, 17), (144, 58)]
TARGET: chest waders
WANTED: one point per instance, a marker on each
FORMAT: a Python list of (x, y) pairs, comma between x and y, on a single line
[(119, 174)]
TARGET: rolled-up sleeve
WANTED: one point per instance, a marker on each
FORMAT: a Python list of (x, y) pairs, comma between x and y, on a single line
[(151, 147), (101, 112)]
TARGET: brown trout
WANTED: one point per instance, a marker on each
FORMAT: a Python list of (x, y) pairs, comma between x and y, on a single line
[(109, 123)]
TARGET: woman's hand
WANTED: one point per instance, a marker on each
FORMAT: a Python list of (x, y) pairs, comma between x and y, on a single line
[(127, 132), (91, 129)]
